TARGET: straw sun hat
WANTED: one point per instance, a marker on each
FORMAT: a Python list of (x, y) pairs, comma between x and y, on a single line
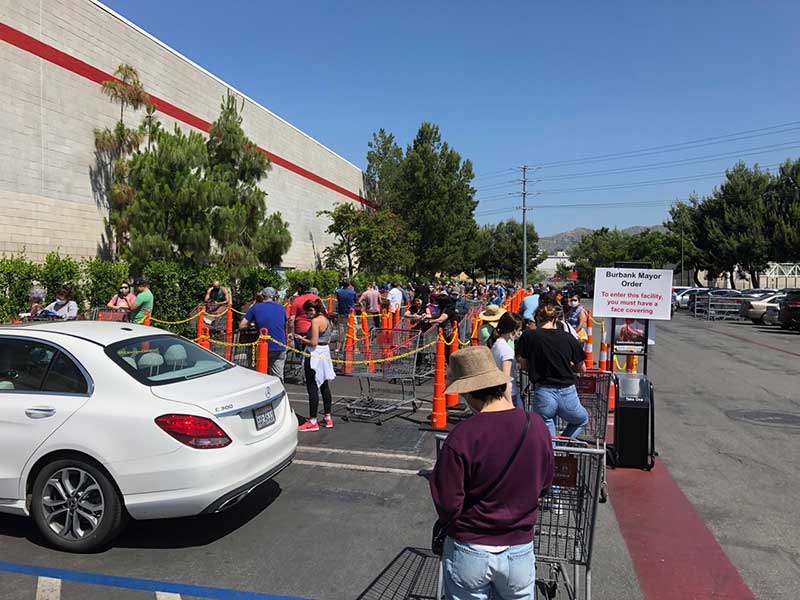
[(471, 369), (492, 314)]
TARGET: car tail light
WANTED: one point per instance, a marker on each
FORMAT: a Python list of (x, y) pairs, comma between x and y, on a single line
[(793, 304), (196, 432)]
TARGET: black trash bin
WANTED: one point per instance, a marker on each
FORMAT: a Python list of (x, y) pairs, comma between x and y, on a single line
[(634, 422)]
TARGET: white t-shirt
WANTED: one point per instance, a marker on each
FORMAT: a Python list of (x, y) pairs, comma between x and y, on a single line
[(501, 350), (395, 297)]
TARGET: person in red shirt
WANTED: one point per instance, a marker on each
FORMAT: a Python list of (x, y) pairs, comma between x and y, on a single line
[(299, 322)]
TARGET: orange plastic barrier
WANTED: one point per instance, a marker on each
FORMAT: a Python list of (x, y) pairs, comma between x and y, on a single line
[(262, 363), (330, 304), (589, 343), (603, 364), (146, 320), (367, 349), (229, 333), (439, 413), (476, 325), (349, 344), (452, 399)]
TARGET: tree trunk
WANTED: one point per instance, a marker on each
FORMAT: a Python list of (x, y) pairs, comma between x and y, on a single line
[(732, 278), (755, 279), (696, 279)]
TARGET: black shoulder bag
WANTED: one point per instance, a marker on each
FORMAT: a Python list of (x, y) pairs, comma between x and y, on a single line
[(439, 532)]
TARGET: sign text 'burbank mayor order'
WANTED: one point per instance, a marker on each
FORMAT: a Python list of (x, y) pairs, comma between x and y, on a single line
[(633, 293)]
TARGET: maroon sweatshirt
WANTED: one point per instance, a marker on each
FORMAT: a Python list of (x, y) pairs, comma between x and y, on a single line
[(472, 457)]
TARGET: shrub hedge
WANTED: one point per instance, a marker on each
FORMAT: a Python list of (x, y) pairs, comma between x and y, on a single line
[(177, 288)]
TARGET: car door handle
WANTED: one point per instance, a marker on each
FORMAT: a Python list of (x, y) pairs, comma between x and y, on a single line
[(40, 412)]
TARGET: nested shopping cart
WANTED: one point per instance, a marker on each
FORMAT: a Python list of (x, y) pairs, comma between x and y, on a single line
[(565, 525), (594, 391)]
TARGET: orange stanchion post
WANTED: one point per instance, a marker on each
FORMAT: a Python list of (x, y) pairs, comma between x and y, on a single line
[(229, 333), (397, 318), (451, 400), (589, 343), (603, 364), (330, 304), (201, 323), (439, 413), (476, 325), (349, 343), (630, 364), (146, 320), (612, 396), (367, 349), (288, 307), (262, 362), (205, 342)]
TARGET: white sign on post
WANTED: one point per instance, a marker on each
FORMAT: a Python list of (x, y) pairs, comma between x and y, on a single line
[(633, 293)]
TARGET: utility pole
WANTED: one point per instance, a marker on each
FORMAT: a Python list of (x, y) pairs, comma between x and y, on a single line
[(687, 279), (524, 227)]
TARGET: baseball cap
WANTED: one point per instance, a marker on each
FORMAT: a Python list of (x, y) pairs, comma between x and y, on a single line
[(269, 292)]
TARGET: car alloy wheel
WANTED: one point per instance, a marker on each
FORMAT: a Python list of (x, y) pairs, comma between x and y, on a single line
[(72, 503), (76, 506)]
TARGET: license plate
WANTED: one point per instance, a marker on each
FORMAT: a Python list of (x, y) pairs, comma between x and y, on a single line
[(264, 415)]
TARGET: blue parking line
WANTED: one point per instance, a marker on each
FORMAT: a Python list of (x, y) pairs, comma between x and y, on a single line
[(148, 585)]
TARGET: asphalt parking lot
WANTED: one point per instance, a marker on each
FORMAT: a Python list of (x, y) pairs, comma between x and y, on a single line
[(351, 518)]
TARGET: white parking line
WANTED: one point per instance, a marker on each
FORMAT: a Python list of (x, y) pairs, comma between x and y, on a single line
[(349, 467), (325, 449), (48, 588), (167, 596)]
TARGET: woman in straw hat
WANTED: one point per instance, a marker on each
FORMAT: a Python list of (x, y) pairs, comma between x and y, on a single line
[(489, 317), (486, 485)]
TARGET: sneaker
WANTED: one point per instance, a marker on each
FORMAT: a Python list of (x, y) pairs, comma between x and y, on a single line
[(308, 426), (327, 422)]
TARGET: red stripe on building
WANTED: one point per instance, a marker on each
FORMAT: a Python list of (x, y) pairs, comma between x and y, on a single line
[(674, 553), (38, 48)]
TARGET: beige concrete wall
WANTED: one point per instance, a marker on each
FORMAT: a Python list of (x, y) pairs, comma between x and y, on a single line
[(48, 114)]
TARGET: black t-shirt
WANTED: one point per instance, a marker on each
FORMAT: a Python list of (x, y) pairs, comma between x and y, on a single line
[(550, 354), (422, 291)]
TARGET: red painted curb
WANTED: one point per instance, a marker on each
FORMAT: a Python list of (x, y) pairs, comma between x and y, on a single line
[(38, 48), (675, 555)]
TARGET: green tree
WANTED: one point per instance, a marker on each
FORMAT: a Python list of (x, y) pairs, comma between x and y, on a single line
[(382, 242), (436, 201), (505, 250), (683, 225), (563, 271), (384, 162), (601, 248), (783, 213), (198, 202), (113, 147), (244, 235), (345, 221)]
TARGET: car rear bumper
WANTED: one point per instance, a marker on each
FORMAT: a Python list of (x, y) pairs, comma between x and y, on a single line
[(192, 482)]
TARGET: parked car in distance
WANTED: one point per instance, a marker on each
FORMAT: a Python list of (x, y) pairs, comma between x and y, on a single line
[(789, 317), (756, 292), (683, 297), (104, 420), (716, 292), (773, 313), (756, 309)]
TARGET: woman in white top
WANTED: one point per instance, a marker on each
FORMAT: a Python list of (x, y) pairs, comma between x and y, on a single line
[(501, 341)]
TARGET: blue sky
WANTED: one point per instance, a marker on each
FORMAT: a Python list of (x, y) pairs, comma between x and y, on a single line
[(519, 83)]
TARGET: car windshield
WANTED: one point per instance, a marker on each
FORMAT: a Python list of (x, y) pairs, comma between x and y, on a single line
[(162, 359)]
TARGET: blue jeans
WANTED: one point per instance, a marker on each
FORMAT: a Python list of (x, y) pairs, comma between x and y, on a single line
[(473, 574), (564, 402)]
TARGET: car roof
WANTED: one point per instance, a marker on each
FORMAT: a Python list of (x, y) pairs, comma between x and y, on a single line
[(103, 333)]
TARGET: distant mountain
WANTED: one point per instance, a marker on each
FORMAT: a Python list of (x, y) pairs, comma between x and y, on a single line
[(568, 239)]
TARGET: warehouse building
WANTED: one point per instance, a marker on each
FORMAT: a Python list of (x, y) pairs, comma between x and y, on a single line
[(53, 57)]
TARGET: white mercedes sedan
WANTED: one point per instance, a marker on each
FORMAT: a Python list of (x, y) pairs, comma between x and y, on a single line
[(104, 420)]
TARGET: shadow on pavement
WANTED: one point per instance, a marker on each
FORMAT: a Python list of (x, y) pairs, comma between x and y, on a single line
[(412, 575), (201, 530)]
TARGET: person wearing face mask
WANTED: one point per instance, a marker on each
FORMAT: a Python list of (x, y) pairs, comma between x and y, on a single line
[(317, 364), (64, 306), (123, 299), (577, 317), (501, 342), (492, 470)]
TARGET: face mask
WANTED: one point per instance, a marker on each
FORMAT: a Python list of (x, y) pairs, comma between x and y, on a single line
[(310, 315), (574, 303), (60, 302)]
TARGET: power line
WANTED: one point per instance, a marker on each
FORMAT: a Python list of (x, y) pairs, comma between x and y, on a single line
[(708, 141), (492, 174), (581, 205), (679, 162)]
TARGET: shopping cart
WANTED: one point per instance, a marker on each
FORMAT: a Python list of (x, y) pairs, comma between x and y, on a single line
[(565, 523), (594, 390)]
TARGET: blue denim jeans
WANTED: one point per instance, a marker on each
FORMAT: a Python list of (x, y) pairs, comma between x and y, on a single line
[(564, 402), (474, 574)]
